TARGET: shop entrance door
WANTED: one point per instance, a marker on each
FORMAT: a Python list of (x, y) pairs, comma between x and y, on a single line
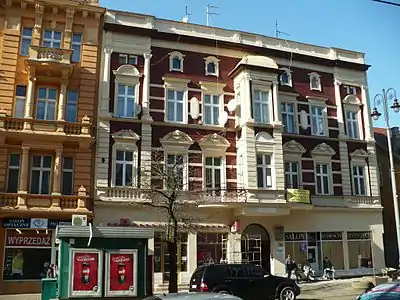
[(313, 258), (181, 258)]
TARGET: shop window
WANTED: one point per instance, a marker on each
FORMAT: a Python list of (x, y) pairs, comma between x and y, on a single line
[(27, 253), (161, 255), (332, 248), (359, 245), (210, 248), (298, 251)]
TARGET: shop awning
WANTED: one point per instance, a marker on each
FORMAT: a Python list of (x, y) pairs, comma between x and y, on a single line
[(104, 232), (158, 226)]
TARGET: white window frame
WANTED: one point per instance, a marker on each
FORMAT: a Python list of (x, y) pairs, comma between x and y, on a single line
[(20, 99), (126, 58), (127, 98), (262, 89), (314, 75), (127, 75), (185, 167), (295, 115), (318, 173), (312, 104), (215, 121), (25, 38), (47, 101), (125, 140), (350, 90), (292, 153), (213, 89), (173, 55), (352, 124), (64, 170), (52, 40), (13, 167), (124, 163), (222, 167), (79, 44), (358, 158), (215, 61), (291, 173), (288, 72), (322, 154), (351, 103), (357, 178), (41, 169), (264, 168), (265, 144), (181, 85)]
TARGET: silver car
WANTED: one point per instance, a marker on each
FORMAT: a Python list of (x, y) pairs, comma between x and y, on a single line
[(193, 296)]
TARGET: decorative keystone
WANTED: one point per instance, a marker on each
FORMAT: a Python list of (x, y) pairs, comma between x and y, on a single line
[(82, 191), (85, 120), (85, 125)]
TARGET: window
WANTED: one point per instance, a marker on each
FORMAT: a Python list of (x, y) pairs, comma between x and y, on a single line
[(175, 106), (317, 120), (13, 173), (209, 248), (76, 44), (292, 175), (359, 180), (211, 109), (352, 124), (176, 61), (360, 254), (264, 171), (322, 179), (51, 39), (288, 117), (72, 106), (41, 174), (350, 90), (261, 107), (286, 77), (124, 168), (125, 59), (26, 40), (212, 66), (20, 98), (315, 81), (67, 176), (175, 171), (24, 257), (46, 104), (213, 173), (126, 101)]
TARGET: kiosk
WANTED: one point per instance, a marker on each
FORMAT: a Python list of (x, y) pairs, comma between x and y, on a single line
[(102, 262)]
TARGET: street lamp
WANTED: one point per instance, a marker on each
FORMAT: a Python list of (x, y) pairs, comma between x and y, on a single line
[(384, 96)]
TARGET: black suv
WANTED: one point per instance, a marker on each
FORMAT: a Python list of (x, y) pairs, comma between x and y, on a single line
[(247, 281)]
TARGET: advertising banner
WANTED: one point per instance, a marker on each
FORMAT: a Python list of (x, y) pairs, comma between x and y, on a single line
[(121, 273), (85, 273)]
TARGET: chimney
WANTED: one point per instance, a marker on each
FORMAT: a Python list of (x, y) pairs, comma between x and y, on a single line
[(396, 139)]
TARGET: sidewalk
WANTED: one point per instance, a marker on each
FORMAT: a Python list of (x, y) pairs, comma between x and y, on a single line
[(20, 297)]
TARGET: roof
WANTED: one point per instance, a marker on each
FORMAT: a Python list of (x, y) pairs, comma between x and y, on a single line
[(381, 141)]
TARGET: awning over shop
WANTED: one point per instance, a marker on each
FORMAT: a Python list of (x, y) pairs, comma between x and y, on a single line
[(159, 226)]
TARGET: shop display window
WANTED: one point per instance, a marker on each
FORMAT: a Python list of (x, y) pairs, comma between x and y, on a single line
[(210, 248)]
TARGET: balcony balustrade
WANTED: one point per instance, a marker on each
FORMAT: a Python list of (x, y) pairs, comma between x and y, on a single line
[(49, 55)]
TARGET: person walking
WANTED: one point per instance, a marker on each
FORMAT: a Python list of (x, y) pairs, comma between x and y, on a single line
[(289, 265)]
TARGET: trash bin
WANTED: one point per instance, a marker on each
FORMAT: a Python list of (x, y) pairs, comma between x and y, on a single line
[(49, 288)]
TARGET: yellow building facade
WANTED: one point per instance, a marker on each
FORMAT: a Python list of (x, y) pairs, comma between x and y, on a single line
[(49, 53)]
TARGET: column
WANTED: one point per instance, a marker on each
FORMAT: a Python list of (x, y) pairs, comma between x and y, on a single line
[(275, 102), (30, 96), (23, 177), (146, 87), (366, 113), (245, 106), (61, 104), (57, 172), (338, 100), (279, 162), (105, 102)]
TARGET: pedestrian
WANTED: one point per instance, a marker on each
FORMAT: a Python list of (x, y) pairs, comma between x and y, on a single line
[(289, 264), (329, 271)]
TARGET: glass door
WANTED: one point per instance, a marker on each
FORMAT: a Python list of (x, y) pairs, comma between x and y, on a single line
[(313, 258)]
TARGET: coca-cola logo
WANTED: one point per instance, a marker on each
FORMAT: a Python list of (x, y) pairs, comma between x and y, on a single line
[(85, 258), (120, 259)]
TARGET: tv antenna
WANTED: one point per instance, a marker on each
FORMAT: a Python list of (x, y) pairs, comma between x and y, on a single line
[(209, 12), (185, 19), (278, 32)]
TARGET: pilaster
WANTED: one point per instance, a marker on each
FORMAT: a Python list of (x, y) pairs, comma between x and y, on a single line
[(30, 95), (145, 159), (61, 104), (102, 157), (366, 113), (146, 87), (278, 159), (373, 168), (191, 252), (57, 172), (234, 246), (37, 32), (23, 177), (339, 112), (105, 93), (275, 102), (248, 170), (345, 168)]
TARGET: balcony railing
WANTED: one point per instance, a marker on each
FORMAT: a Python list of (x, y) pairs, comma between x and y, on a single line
[(52, 55), (35, 202), (19, 124), (346, 201)]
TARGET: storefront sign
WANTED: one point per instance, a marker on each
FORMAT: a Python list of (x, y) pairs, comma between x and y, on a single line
[(298, 196), (295, 236), (121, 273), (359, 235), (54, 223), (331, 236), (34, 223), (16, 223), (85, 273), (39, 223), (31, 239)]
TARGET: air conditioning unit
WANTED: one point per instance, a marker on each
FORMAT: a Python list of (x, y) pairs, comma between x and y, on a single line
[(79, 220)]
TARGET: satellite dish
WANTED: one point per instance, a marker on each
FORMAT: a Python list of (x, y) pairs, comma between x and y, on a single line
[(194, 108), (223, 118), (303, 120), (232, 104)]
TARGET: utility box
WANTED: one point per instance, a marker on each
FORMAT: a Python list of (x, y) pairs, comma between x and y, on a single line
[(49, 288), (102, 262)]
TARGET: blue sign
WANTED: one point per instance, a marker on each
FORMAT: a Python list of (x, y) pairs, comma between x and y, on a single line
[(33, 223), (16, 223), (54, 223)]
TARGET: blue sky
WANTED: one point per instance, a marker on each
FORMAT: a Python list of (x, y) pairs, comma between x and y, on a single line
[(361, 25)]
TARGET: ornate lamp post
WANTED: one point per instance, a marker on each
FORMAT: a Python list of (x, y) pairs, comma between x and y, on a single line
[(383, 99)]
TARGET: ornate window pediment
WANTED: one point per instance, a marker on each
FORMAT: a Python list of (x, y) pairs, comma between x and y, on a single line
[(128, 73), (125, 136), (214, 145), (359, 156), (352, 99), (324, 150), (176, 141), (294, 147), (264, 142)]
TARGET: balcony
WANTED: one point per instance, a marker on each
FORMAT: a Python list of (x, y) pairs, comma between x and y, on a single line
[(41, 54), (364, 202), (20, 203)]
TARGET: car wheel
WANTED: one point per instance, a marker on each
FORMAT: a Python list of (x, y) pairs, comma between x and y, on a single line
[(287, 293)]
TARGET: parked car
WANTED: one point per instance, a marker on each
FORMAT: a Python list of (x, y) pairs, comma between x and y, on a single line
[(247, 281), (383, 291), (193, 296)]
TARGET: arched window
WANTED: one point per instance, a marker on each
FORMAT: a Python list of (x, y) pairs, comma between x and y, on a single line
[(212, 66), (176, 61)]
